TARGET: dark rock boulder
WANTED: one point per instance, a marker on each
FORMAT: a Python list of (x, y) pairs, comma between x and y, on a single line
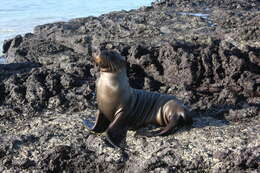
[(33, 91)]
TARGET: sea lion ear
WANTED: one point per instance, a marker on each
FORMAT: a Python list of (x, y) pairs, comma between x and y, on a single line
[(119, 54), (123, 60)]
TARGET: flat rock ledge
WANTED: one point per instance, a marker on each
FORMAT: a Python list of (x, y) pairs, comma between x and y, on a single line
[(55, 142), (206, 53)]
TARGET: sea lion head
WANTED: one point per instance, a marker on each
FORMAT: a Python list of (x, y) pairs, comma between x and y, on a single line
[(109, 61)]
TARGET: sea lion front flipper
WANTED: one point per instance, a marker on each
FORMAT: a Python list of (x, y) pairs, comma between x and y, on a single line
[(117, 131), (101, 123)]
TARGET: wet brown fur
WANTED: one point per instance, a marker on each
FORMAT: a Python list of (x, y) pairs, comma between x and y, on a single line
[(121, 107)]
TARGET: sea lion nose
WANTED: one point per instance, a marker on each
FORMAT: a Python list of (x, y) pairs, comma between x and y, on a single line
[(96, 55)]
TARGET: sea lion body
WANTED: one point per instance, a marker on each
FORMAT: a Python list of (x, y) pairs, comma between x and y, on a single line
[(113, 93), (121, 107)]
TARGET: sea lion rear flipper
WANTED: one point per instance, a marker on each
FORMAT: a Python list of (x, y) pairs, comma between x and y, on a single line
[(172, 123), (117, 131), (101, 123)]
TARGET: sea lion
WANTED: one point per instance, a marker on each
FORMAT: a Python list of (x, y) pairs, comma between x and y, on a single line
[(121, 107)]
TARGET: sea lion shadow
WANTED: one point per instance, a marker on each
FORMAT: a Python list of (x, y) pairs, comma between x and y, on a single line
[(209, 118), (217, 115), (207, 121)]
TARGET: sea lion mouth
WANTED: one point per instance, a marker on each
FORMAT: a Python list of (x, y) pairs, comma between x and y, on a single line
[(97, 59)]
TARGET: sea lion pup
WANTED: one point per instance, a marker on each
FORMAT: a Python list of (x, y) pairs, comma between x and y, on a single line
[(121, 107)]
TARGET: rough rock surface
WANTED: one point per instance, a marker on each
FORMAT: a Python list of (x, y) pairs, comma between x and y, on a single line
[(207, 53)]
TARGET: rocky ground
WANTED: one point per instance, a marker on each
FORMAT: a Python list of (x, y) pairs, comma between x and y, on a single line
[(207, 53)]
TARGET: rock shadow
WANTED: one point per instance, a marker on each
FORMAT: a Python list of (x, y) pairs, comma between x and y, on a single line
[(6, 70)]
